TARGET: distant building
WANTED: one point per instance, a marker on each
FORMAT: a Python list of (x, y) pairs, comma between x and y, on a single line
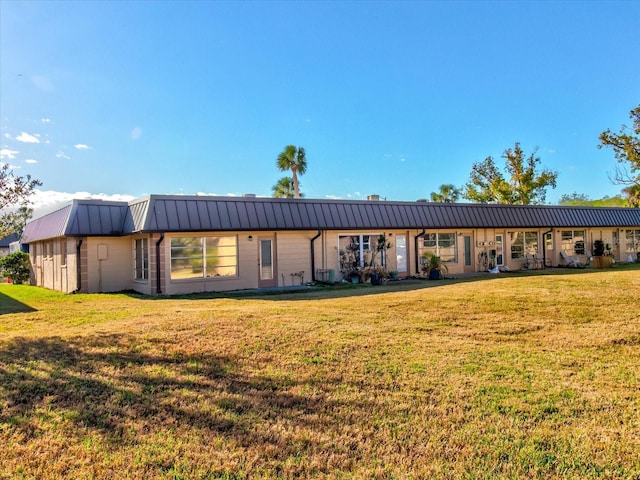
[(8, 244)]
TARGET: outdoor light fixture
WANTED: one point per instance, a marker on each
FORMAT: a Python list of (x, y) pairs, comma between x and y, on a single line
[(250, 237)]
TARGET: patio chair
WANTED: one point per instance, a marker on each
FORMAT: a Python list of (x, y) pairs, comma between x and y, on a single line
[(570, 261)]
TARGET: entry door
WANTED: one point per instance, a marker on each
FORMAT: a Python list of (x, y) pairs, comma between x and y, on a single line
[(468, 261), (499, 250), (267, 275), (401, 253)]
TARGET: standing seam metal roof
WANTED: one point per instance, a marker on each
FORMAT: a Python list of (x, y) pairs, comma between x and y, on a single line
[(172, 213)]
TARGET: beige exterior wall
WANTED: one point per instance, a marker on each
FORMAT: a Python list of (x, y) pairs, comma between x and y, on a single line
[(53, 264), (109, 264)]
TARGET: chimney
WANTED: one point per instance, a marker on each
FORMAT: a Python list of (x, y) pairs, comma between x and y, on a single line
[(249, 195), (373, 198)]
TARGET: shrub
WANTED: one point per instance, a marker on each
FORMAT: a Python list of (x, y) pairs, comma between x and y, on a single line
[(16, 267)]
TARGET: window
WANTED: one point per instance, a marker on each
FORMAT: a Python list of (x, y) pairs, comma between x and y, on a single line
[(572, 242), (48, 250), (358, 251), (442, 245), (631, 241), (204, 257), (523, 243), (141, 258), (63, 252)]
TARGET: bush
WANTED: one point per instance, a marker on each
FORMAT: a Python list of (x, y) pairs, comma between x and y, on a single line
[(15, 267), (598, 248)]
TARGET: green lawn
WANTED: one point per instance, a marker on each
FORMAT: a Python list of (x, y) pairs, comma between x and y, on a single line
[(506, 376)]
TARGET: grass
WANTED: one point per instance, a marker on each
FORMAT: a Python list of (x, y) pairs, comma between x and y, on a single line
[(510, 376)]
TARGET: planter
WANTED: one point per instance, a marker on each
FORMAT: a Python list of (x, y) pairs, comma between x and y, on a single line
[(355, 278), (393, 275), (434, 275), (601, 262)]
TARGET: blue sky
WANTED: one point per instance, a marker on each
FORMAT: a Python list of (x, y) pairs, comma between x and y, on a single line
[(393, 98)]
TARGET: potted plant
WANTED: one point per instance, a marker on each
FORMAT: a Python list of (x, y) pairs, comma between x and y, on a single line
[(599, 260), (433, 266)]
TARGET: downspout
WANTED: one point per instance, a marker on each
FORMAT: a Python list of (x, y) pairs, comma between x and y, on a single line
[(415, 241), (544, 248), (158, 276), (313, 256), (78, 266)]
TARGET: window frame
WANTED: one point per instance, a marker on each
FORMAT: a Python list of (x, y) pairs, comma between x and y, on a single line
[(572, 242), (523, 243), (436, 242), (143, 268), (204, 261)]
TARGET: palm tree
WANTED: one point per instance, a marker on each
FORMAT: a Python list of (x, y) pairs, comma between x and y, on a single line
[(293, 158), (448, 194), (284, 188)]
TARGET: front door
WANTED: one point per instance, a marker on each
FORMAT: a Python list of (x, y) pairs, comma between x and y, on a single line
[(468, 261), (267, 275)]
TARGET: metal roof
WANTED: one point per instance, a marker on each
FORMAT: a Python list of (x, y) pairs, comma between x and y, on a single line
[(198, 213), (78, 218), (176, 213)]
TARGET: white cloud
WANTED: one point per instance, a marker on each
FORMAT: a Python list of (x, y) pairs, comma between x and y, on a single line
[(25, 137), (42, 83), (6, 153), (31, 160), (46, 120), (61, 154), (82, 146), (42, 200), (6, 135)]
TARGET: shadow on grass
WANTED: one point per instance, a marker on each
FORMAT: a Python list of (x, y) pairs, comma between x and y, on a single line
[(11, 305), (108, 385), (342, 290)]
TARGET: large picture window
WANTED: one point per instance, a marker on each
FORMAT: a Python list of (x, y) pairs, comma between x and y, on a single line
[(204, 257), (141, 258), (441, 244), (357, 251), (523, 243), (572, 242), (631, 241)]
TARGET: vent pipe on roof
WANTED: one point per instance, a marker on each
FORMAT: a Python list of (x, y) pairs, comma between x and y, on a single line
[(373, 198), (249, 195), (421, 200)]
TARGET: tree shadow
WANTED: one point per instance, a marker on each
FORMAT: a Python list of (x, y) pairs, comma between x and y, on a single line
[(11, 305), (111, 386)]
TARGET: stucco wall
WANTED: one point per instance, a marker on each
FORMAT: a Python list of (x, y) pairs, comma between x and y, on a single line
[(109, 264)]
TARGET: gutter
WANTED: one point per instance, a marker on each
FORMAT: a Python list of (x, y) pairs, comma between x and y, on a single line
[(415, 241), (158, 278), (313, 256)]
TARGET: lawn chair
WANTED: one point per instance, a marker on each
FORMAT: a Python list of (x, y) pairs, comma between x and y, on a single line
[(570, 261)]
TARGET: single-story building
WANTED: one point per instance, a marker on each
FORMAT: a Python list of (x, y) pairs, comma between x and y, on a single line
[(171, 244), (7, 244)]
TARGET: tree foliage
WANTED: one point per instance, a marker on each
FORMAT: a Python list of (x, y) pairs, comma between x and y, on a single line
[(448, 193), (15, 193), (295, 159), (522, 185), (15, 266), (284, 188), (626, 148), (581, 200)]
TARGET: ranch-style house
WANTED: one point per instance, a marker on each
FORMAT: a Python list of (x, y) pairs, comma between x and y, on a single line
[(171, 244)]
